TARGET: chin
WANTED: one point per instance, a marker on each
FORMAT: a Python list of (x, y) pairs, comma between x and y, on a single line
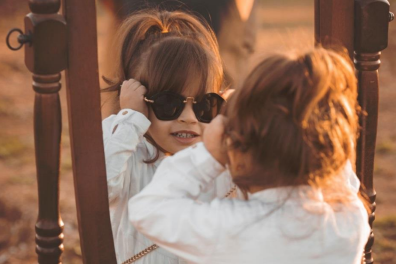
[(179, 148)]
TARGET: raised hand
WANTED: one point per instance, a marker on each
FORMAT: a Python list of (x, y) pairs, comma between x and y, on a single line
[(213, 139), (132, 96)]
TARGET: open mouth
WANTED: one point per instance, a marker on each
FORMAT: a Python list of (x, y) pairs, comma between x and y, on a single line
[(186, 134)]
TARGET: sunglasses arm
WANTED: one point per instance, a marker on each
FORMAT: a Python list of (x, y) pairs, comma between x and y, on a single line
[(148, 101)]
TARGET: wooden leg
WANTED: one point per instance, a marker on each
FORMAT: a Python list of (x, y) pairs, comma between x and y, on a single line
[(371, 37), (367, 66), (45, 57), (47, 134)]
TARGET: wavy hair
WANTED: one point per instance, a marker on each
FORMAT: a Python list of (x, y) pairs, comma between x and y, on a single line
[(297, 117), (160, 49)]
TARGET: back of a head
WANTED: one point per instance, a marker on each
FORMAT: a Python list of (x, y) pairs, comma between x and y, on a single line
[(166, 46), (297, 116)]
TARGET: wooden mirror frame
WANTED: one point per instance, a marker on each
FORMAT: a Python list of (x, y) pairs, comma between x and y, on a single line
[(69, 42)]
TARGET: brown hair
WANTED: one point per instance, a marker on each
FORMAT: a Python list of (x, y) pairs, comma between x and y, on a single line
[(164, 50), (161, 49), (297, 117)]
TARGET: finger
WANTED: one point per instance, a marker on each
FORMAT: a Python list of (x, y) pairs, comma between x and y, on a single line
[(216, 127), (131, 82), (226, 94), (126, 85), (219, 120), (141, 89), (134, 85), (122, 84)]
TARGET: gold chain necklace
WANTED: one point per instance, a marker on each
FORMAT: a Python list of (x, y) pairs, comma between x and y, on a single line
[(153, 247)]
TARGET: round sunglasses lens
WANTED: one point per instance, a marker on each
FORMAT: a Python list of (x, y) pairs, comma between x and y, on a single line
[(208, 108), (167, 106)]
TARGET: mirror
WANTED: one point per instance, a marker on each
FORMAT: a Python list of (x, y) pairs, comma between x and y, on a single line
[(246, 30), (261, 21)]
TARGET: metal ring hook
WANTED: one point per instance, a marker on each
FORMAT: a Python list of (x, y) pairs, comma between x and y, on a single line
[(22, 39), (391, 16)]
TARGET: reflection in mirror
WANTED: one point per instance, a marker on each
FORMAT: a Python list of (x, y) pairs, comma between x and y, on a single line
[(241, 28), (284, 25), (224, 16), (172, 117)]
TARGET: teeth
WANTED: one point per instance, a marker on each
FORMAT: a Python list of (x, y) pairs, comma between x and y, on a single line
[(184, 135)]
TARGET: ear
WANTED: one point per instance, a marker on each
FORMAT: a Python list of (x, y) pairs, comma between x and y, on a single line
[(239, 162)]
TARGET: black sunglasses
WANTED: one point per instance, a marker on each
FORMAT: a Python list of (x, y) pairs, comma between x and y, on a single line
[(168, 106)]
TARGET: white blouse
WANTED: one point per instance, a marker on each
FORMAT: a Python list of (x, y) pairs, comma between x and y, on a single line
[(127, 175), (275, 226)]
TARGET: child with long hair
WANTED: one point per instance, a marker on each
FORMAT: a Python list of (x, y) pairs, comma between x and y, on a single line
[(288, 139), (168, 81)]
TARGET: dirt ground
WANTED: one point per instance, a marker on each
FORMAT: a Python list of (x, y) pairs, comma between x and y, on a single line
[(280, 27)]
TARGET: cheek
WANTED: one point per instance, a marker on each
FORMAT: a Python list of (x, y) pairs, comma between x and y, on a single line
[(231, 161), (158, 128), (203, 126), (239, 163)]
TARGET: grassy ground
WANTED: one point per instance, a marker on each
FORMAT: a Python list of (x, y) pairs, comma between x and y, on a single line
[(282, 25)]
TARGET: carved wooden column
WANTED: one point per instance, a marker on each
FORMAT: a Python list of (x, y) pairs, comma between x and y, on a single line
[(45, 57), (51, 47), (47, 130), (371, 37)]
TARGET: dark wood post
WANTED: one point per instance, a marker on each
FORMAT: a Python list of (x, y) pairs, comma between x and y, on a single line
[(371, 37), (47, 130), (334, 23), (85, 126), (45, 57)]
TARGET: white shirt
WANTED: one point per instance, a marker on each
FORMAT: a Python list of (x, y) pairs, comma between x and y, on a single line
[(127, 175), (267, 228)]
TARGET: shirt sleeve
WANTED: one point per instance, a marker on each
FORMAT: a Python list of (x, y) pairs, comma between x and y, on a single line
[(121, 135), (166, 211), (351, 177)]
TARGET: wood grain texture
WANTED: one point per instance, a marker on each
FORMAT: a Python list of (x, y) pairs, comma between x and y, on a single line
[(86, 133), (334, 23), (47, 135)]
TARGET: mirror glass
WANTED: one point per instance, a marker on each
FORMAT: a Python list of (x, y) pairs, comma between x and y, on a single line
[(247, 30)]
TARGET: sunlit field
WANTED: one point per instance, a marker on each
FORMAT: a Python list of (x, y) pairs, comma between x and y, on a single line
[(282, 25)]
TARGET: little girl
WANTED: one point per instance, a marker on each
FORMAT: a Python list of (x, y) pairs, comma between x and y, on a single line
[(170, 73), (289, 134)]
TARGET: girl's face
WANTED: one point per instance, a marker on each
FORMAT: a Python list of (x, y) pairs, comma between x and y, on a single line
[(175, 135)]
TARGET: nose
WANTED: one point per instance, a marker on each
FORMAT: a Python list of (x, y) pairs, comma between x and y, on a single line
[(188, 115)]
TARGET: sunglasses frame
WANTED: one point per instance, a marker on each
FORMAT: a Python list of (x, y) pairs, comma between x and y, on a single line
[(184, 100)]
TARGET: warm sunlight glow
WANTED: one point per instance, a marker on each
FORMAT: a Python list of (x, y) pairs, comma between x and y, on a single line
[(244, 8)]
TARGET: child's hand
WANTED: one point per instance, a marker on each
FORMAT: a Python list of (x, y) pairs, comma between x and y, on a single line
[(227, 93), (213, 139), (132, 96)]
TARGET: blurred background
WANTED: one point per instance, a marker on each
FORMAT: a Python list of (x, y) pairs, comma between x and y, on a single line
[(281, 25)]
